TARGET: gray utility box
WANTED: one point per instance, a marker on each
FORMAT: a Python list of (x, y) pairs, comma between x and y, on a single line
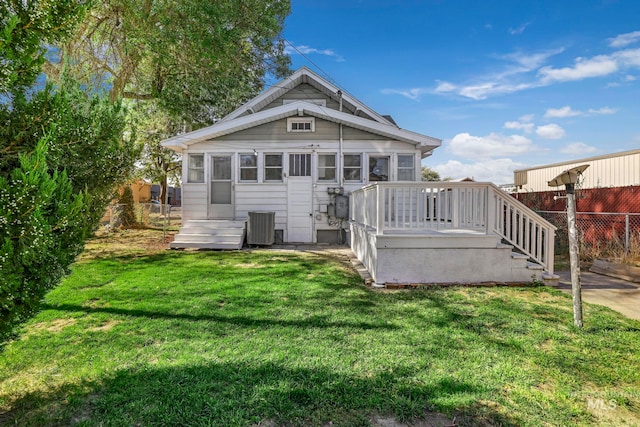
[(261, 228), (342, 207)]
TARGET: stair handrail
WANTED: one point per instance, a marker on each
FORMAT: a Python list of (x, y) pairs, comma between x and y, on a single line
[(507, 210)]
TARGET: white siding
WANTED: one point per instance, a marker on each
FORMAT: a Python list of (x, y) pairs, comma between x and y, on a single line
[(262, 197), (615, 170), (194, 201)]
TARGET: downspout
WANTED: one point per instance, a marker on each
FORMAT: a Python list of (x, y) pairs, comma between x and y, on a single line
[(340, 171)]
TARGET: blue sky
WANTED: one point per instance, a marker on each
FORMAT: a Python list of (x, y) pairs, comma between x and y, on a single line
[(504, 84)]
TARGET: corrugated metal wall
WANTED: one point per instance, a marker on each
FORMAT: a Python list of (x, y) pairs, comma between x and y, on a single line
[(614, 170)]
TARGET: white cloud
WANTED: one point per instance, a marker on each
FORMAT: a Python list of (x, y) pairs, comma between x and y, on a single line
[(488, 147), (622, 40), (627, 58), (306, 50), (601, 65), (603, 110), (519, 30), (445, 87), (567, 111), (550, 131), (485, 90), (519, 125), (414, 93), (499, 171), (577, 149)]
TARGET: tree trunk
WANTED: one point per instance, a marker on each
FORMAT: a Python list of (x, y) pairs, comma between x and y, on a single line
[(163, 190)]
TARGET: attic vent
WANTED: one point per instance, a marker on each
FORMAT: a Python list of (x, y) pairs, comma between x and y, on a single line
[(301, 124)]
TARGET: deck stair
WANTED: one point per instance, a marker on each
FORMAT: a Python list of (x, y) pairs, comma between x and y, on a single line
[(210, 234), (448, 233)]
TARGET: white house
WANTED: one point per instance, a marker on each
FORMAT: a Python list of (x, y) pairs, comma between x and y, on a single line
[(327, 167), (292, 150)]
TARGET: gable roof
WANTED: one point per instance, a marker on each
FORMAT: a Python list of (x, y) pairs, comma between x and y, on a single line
[(253, 113), (305, 75)]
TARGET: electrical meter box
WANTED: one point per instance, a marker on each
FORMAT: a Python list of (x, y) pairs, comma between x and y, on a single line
[(342, 207)]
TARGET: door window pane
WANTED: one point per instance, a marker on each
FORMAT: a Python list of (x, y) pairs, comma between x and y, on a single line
[(221, 167), (221, 193), (299, 164)]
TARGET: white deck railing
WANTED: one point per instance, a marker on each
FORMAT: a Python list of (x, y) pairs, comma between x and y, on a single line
[(414, 208)]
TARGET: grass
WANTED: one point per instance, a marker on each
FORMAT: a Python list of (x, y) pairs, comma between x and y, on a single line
[(141, 336)]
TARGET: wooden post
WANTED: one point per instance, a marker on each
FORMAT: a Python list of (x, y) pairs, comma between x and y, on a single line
[(574, 258), (380, 200)]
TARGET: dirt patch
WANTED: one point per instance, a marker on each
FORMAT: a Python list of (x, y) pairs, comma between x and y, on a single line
[(126, 242), (54, 326), (432, 419), (105, 326)]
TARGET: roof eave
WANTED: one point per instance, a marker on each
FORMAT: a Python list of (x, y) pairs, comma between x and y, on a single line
[(178, 143)]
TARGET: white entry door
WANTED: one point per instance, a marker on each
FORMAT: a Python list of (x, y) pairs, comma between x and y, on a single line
[(299, 199), (221, 196)]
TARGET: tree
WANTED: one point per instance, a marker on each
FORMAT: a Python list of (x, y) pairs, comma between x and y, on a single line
[(194, 61), (159, 164), (429, 174), (62, 155), (199, 59), (24, 27), (127, 214)]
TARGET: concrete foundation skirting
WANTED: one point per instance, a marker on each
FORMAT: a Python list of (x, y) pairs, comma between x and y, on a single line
[(444, 258)]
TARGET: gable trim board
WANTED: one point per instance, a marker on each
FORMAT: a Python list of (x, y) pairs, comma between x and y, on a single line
[(305, 76)]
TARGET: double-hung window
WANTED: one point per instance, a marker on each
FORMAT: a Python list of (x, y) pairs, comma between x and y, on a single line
[(195, 168), (406, 167), (248, 168), (352, 169), (273, 167), (379, 168), (326, 167)]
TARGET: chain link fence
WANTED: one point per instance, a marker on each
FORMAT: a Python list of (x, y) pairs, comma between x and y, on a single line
[(144, 215), (601, 234)]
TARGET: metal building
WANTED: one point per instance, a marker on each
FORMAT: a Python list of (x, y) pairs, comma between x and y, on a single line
[(610, 170)]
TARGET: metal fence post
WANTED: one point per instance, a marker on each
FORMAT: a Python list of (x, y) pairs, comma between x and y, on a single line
[(626, 232)]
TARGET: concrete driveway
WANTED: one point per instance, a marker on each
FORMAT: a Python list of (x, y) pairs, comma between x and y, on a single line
[(616, 294)]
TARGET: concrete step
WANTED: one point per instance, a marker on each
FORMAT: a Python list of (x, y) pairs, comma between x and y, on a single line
[(213, 224), (210, 234), (197, 238), (211, 231), (534, 266), (205, 245)]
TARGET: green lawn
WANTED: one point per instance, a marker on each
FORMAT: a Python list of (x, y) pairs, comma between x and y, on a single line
[(149, 337)]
